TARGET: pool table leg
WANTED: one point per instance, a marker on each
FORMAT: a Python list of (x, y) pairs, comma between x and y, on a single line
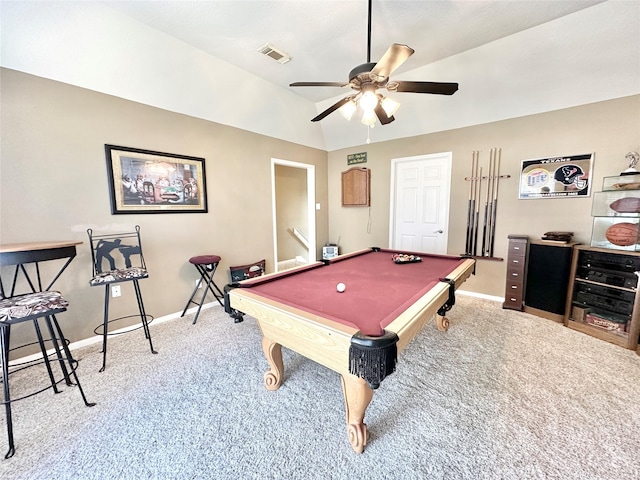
[(442, 323), (357, 396), (273, 351)]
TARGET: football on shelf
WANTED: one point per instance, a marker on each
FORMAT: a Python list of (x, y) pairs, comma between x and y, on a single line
[(622, 234), (626, 186), (626, 205)]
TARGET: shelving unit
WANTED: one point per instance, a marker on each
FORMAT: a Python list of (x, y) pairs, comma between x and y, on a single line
[(602, 300)]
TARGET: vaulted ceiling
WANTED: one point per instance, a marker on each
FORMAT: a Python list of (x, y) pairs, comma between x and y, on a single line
[(510, 58)]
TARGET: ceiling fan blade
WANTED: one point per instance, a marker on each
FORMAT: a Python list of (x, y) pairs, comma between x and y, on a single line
[(331, 109), (318, 84), (395, 56), (382, 115), (437, 88)]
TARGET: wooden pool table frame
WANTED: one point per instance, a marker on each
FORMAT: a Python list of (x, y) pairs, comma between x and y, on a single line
[(327, 342)]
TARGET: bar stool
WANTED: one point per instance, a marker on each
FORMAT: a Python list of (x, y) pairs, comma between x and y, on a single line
[(206, 266), (31, 307), (127, 266)]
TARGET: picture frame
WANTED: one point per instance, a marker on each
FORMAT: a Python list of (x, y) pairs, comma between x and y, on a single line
[(145, 181), (556, 177)]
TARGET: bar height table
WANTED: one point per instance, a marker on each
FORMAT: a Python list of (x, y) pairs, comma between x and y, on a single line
[(13, 311), (21, 254)]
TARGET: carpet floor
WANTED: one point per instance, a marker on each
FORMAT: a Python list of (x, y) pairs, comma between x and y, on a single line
[(501, 395)]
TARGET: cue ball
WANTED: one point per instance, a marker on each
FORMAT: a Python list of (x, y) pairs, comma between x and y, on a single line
[(340, 287)]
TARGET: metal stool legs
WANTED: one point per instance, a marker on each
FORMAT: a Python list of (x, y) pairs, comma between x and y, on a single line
[(4, 345), (206, 271), (67, 366), (105, 323)]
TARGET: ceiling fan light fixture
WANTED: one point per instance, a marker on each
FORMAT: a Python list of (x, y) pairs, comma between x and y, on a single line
[(390, 106), (348, 109), (370, 76), (369, 118), (393, 86), (368, 101)]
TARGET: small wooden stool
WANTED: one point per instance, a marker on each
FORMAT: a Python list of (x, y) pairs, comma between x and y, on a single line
[(206, 266)]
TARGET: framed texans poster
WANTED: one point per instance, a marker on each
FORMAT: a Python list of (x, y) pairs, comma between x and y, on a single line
[(556, 177)]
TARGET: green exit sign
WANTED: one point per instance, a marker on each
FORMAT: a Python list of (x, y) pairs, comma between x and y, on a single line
[(357, 158)]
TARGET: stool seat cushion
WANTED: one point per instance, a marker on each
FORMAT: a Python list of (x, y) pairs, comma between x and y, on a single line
[(121, 275), (205, 259), (32, 305)]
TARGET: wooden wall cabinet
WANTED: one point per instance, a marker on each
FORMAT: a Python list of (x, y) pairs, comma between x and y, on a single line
[(356, 187), (602, 300)]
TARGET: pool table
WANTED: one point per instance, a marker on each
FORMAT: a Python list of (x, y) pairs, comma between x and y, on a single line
[(357, 332)]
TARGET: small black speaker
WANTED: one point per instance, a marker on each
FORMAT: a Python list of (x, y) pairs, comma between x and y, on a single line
[(548, 271)]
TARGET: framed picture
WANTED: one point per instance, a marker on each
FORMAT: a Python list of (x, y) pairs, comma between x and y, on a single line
[(556, 177), (143, 181)]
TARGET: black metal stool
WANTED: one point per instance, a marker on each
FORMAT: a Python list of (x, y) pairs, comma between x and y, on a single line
[(206, 265), (122, 268), (31, 307)]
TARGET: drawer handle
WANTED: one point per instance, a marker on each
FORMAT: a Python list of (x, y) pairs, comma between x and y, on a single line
[(516, 248), (513, 299), (515, 274), (516, 261), (515, 287)]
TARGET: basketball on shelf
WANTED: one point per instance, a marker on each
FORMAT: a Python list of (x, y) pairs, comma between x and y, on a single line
[(622, 234)]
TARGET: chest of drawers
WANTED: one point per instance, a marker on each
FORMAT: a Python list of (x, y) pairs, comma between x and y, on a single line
[(516, 272)]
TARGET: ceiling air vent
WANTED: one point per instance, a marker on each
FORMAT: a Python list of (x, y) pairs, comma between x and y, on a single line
[(271, 51)]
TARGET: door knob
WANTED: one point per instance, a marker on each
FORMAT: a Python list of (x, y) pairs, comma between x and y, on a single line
[(438, 231)]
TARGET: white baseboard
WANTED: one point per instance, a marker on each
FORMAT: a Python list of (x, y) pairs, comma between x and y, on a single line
[(172, 316), (98, 338), (481, 295)]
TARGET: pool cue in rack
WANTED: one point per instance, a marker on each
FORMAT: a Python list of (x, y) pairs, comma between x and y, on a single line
[(490, 205)]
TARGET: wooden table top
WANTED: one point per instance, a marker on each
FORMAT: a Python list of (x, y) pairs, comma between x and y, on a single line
[(31, 246)]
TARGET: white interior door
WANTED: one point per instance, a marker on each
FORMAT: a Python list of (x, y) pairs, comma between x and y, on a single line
[(420, 194)]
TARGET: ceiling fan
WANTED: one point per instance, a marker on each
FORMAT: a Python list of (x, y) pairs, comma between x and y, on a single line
[(367, 78)]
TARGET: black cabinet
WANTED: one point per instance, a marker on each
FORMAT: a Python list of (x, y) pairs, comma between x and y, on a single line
[(547, 279)]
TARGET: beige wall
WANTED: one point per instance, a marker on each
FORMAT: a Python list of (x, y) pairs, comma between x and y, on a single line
[(53, 185), (610, 129)]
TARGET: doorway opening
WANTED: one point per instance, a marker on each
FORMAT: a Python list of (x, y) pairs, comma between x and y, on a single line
[(294, 217)]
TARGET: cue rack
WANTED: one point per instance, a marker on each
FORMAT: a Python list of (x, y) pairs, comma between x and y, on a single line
[(482, 239)]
